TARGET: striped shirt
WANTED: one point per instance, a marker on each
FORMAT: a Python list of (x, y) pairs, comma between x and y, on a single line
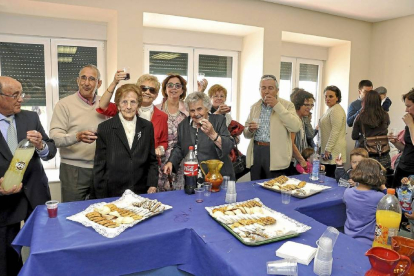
[(263, 133)]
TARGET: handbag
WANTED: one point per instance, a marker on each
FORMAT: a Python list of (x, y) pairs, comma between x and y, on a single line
[(376, 144), (239, 164), (235, 128)]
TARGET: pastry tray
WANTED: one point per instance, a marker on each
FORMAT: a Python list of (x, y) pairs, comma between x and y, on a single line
[(310, 189), (125, 202), (284, 228)]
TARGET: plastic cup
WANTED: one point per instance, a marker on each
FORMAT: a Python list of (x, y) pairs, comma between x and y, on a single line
[(52, 208), (321, 267), (257, 121), (286, 196), (231, 187), (199, 193), (127, 71), (331, 233), (322, 175), (225, 183), (207, 188), (283, 267), (231, 198), (393, 133)]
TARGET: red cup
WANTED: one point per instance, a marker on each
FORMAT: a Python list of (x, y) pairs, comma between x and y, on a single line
[(52, 208)]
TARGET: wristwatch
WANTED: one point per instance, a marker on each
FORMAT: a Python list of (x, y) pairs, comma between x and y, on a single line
[(43, 146)]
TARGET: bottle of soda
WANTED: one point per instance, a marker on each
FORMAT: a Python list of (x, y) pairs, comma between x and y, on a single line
[(388, 219), (18, 165), (316, 164), (190, 171)]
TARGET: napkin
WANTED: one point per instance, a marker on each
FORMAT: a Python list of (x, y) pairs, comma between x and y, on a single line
[(302, 253)]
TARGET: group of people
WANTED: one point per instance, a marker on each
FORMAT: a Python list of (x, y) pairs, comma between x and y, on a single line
[(106, 148)]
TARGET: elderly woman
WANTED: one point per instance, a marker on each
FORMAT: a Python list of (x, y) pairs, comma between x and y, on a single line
[(332, 130), (207, 132), (125, 154), (174, 89), (304, 102), (218, 96)]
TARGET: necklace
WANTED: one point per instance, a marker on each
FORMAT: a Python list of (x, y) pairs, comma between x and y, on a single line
[(168, 112)]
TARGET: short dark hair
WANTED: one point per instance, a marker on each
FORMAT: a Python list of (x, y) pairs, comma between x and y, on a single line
[(182, 81), (408, 96), (298, 97), (334, 89), (363, 83), (307, 152), (369, 172)]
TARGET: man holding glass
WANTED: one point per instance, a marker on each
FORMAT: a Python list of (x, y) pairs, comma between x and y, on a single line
[(269, 124), (73, 127)]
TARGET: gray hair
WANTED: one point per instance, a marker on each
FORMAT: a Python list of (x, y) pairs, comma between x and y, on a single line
[(91, 66), (269, 77), (195, 97)]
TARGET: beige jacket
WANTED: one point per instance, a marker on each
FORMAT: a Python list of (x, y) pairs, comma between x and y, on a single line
[(283, 121)]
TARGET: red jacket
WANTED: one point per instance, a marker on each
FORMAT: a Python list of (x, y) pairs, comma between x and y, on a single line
[(159, 121)]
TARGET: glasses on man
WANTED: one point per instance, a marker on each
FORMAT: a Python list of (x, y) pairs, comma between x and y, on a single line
[(14, 96), (132, 103), (146, 88), (309, 105), (85, 78), (176, 85)]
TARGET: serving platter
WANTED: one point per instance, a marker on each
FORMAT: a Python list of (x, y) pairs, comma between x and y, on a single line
[(126, 203), (253, 225), (309, 189)]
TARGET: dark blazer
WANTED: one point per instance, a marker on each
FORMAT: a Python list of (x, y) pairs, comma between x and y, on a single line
[(17, 207), (206, 148), (117, 167)]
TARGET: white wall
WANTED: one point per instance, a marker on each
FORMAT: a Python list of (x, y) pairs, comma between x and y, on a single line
[(290, 49)]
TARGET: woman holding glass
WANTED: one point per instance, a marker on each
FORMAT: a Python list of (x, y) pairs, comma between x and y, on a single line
[(218, 96), (332, 127), (125, 153)]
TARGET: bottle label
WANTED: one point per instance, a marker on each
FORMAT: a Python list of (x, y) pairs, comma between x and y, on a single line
[(384, 234), (190, 169), (20, 165)]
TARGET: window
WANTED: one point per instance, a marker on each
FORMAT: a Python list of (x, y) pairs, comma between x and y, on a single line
[(302, 73), (218, 67), (47, 69)]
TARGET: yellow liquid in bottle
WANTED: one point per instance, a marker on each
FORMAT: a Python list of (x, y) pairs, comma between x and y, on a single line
[(17, 168), (388, 223)]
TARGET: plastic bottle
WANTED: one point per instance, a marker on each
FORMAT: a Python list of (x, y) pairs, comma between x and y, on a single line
[(190, 171), (316, 164), (18, 165), (388, 219)]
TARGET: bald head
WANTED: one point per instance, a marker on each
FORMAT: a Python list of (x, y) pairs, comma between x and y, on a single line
[(10, 97)]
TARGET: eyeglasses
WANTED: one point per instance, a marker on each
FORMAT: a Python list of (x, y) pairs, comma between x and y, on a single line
[(132, 103), (85, 78), (145, 88), (268, 77), (14, 96), (309, 105), (176, 85), (219, 96)]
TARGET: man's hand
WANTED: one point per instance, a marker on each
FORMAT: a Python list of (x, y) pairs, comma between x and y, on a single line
[(15, 189), (152, 190), (270, 100), (303, 164), (35, 138), (86, 136), (253, 126)]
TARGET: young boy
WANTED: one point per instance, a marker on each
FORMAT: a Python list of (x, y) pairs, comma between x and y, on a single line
[(356, 156), (385, 101)]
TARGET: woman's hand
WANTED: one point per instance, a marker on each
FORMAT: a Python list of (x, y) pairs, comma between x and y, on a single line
[(168, 168), (119, 75), (223, 109), (202, 85), (408, 119), (152, 190), (159, 151), (208, 129)]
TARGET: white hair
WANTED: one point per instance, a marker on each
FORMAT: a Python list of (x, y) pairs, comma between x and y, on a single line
[(92, 67), (195, 97)]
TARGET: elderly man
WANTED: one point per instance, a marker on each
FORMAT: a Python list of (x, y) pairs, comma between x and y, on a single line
[(73, 127), (270, 122), (355, 107), (17, 203)]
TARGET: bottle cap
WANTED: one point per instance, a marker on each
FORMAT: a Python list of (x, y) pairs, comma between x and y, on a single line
[(391, 191), (191, 148)]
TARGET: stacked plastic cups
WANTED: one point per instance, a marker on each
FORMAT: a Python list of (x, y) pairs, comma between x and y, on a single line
[(322, 264), (231, 194)]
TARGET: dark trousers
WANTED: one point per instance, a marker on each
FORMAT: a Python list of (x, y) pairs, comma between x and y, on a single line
[(10, 260), (398, 175), (330, 170), (261, 164), (75, 182)]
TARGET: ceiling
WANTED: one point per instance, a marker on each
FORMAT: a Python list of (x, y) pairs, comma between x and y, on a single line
[(366, 10)]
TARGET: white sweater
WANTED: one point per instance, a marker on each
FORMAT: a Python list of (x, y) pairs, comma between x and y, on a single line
[(70, 116)]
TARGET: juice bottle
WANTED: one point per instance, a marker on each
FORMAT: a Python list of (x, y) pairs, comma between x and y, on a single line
[(388, 219), (18, 165)]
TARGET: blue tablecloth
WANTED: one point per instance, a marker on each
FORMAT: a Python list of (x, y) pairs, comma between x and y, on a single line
[(185, 236)]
